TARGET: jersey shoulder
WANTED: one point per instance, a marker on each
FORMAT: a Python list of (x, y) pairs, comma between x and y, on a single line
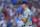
[(27, 10), (20, 9)]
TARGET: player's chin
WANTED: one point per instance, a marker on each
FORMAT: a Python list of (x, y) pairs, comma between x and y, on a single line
[(24, 20)]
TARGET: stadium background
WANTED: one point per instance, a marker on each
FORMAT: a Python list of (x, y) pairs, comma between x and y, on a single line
[(9, 16)]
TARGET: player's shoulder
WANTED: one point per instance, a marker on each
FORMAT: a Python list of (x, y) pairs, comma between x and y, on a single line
[(27, 9), (20, 8)]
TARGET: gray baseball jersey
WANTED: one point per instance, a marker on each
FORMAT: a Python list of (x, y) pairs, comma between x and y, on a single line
[(27, 14)]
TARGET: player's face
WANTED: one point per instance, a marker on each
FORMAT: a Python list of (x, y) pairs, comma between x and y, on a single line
[(23, 5)]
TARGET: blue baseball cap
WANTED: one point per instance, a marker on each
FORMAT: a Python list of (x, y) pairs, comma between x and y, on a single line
[(24, 2)]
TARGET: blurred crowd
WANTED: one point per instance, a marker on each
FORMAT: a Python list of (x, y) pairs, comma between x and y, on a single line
[(9, 16)]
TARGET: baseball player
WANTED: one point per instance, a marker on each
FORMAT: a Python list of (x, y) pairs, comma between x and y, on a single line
[(26, 15)]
